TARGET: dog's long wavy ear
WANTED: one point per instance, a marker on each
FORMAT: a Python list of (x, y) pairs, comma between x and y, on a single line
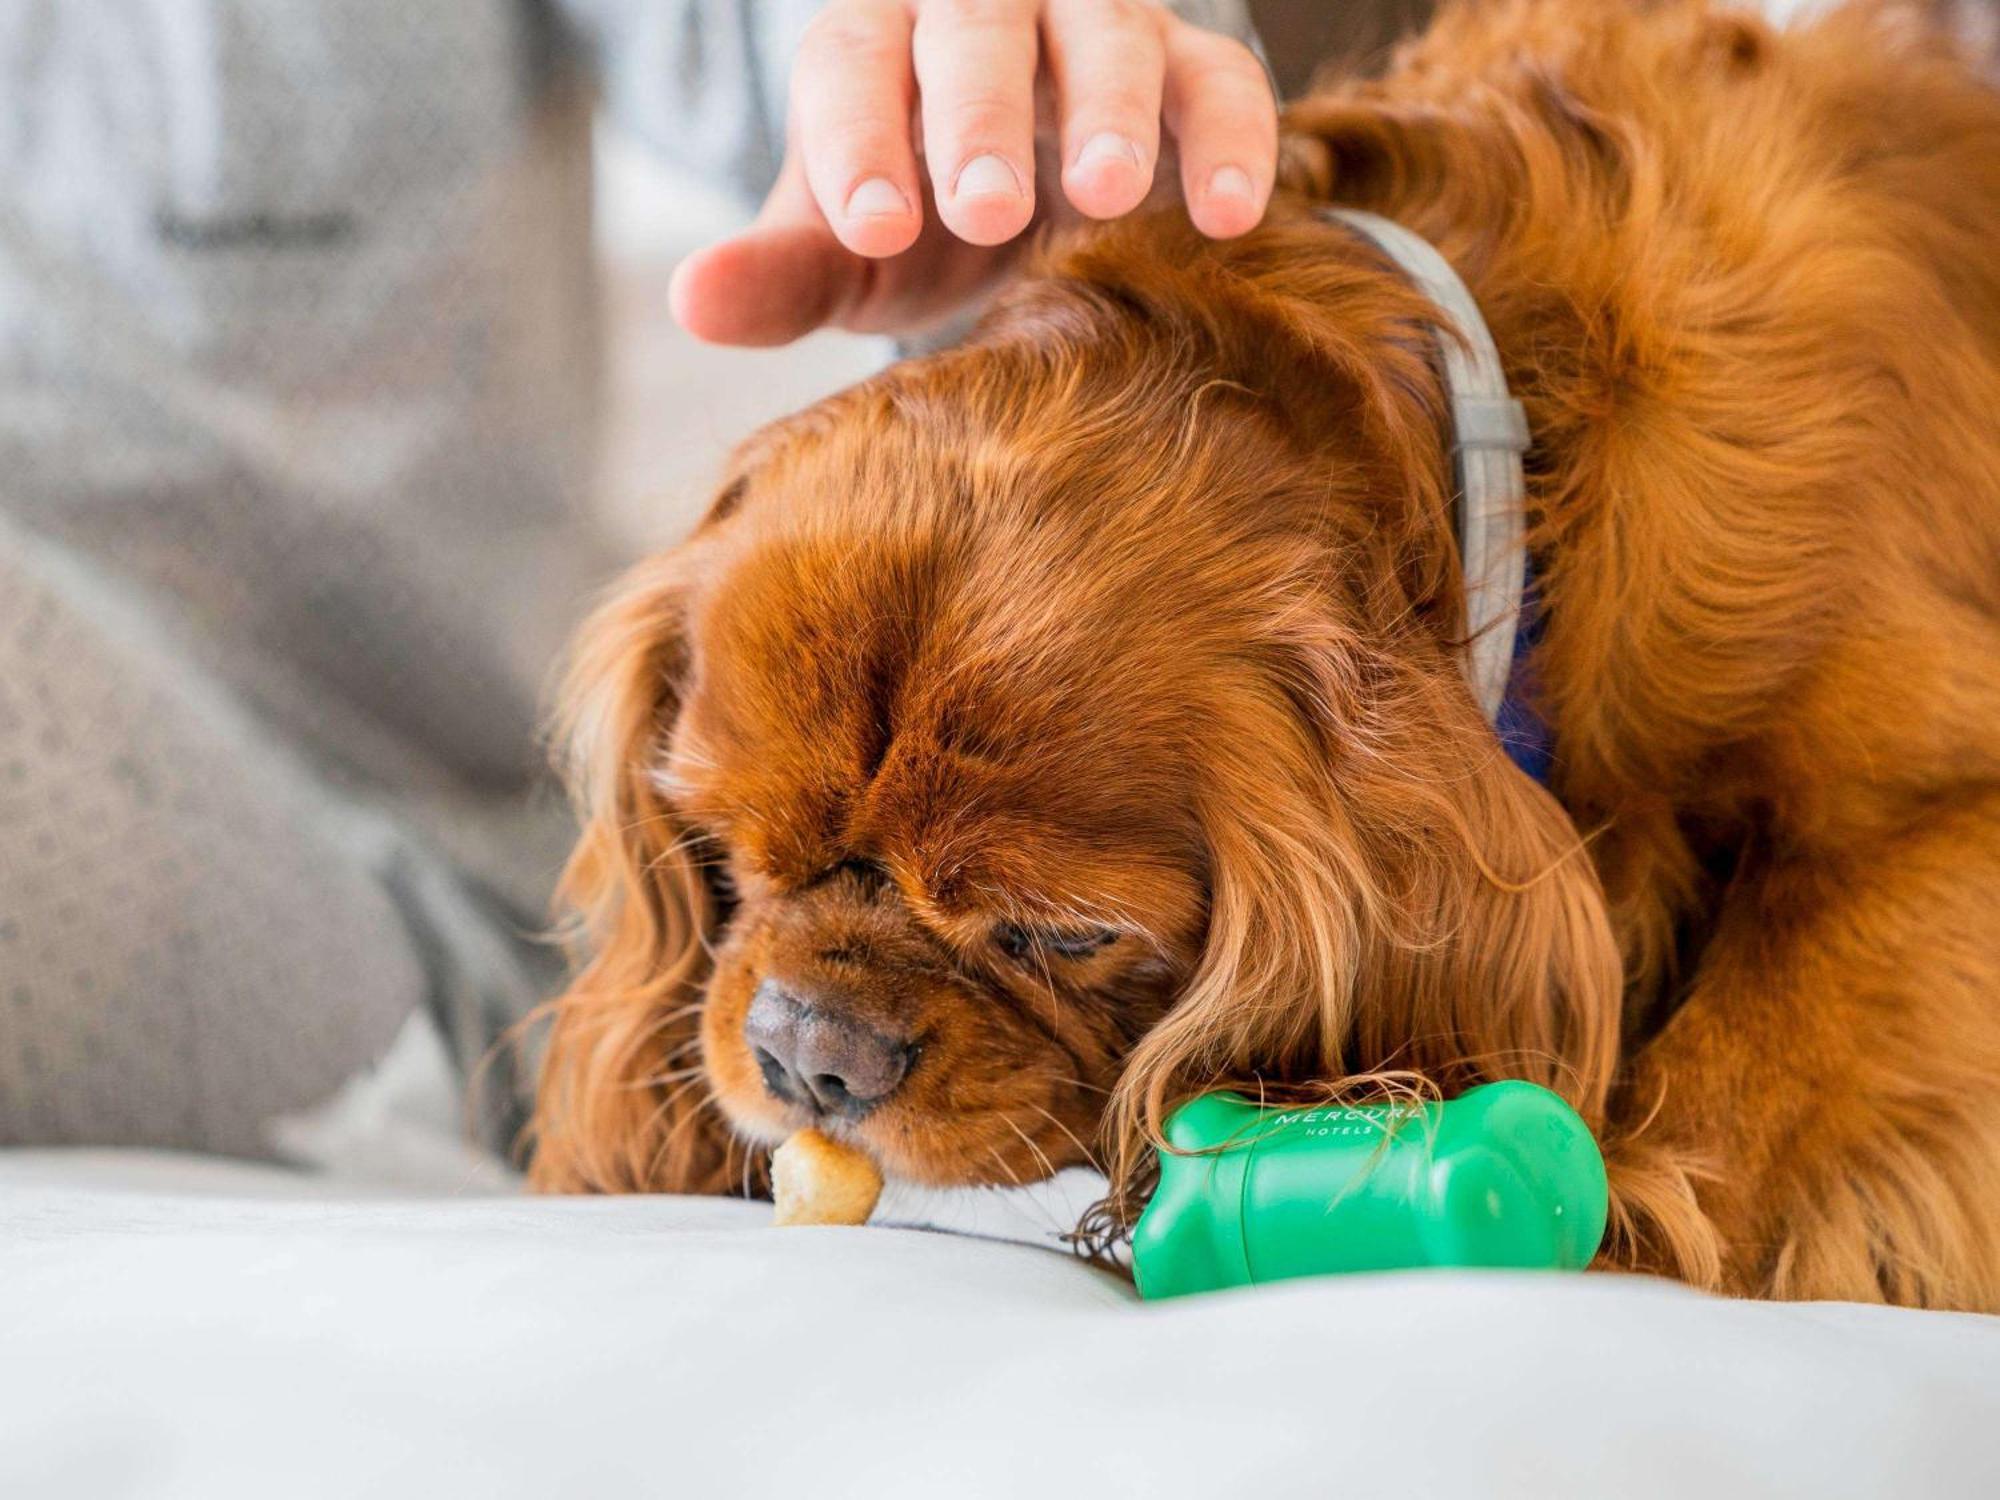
[(1394, 905), (618, 1107)]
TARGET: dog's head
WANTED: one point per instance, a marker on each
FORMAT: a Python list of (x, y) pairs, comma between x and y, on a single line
[(1051, 728)]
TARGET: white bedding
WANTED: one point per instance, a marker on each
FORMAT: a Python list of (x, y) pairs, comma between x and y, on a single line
[(182, 1328)]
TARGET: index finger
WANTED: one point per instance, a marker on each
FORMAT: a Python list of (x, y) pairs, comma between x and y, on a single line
[(852, 97)]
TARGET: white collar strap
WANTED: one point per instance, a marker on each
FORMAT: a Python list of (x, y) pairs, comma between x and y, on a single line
[(1489, 435)]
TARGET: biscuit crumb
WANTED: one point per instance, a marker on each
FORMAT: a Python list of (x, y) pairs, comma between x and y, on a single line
[(816, 1180)]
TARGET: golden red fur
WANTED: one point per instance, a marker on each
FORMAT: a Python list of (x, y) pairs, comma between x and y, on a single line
[(1136, 613)]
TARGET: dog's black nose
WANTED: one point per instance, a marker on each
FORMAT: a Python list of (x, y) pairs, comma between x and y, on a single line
[(814, 1055)]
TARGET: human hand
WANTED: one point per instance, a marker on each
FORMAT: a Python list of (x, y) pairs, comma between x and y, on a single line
[(911, 168)]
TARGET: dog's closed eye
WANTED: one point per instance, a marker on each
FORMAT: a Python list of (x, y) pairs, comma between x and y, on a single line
[(1022, 943)]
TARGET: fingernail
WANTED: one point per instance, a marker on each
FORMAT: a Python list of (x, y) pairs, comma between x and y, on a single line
[(1230, 182), (986, 176), (876, 198), (1107, 145)]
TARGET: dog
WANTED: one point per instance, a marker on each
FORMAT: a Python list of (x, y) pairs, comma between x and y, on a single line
[(1055, 727)]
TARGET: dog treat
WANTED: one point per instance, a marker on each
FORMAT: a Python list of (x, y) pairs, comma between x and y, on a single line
[(816, 1180)]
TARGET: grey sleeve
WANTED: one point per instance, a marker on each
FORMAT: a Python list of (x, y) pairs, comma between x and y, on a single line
[(704, 82)]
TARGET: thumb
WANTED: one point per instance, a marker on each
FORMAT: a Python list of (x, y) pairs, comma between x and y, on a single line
[(778, 280)]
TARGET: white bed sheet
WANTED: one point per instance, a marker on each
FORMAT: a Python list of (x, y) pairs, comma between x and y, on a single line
[(185, 1328)]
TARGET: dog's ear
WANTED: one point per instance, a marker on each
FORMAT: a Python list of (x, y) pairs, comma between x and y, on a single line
[(616, 1109), (1393, 903), (1490, 948)]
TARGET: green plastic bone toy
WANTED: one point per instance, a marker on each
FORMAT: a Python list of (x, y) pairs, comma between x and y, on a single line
[(1505, 1175)]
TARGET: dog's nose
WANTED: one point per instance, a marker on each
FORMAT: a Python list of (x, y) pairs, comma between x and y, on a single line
[(814, 1055)]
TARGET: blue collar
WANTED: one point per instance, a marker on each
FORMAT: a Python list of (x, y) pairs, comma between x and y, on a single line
[(1524, 733), (1489, 436)]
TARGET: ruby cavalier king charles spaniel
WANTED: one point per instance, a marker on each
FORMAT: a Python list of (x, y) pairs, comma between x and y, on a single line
[(1053, 728)]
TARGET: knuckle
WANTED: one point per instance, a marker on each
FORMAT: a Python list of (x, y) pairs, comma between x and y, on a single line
[(1087, 16), (1121, 103), (1211, 51), (1126, 29), (1131, 15), (985, 117), (860, 149), (1106, 72), (1224, 85), (842, 36), (973, 14)]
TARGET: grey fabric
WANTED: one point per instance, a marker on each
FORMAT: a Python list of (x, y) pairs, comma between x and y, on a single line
[(297, 327), (194, 935), (297, 395), (299, 372)]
